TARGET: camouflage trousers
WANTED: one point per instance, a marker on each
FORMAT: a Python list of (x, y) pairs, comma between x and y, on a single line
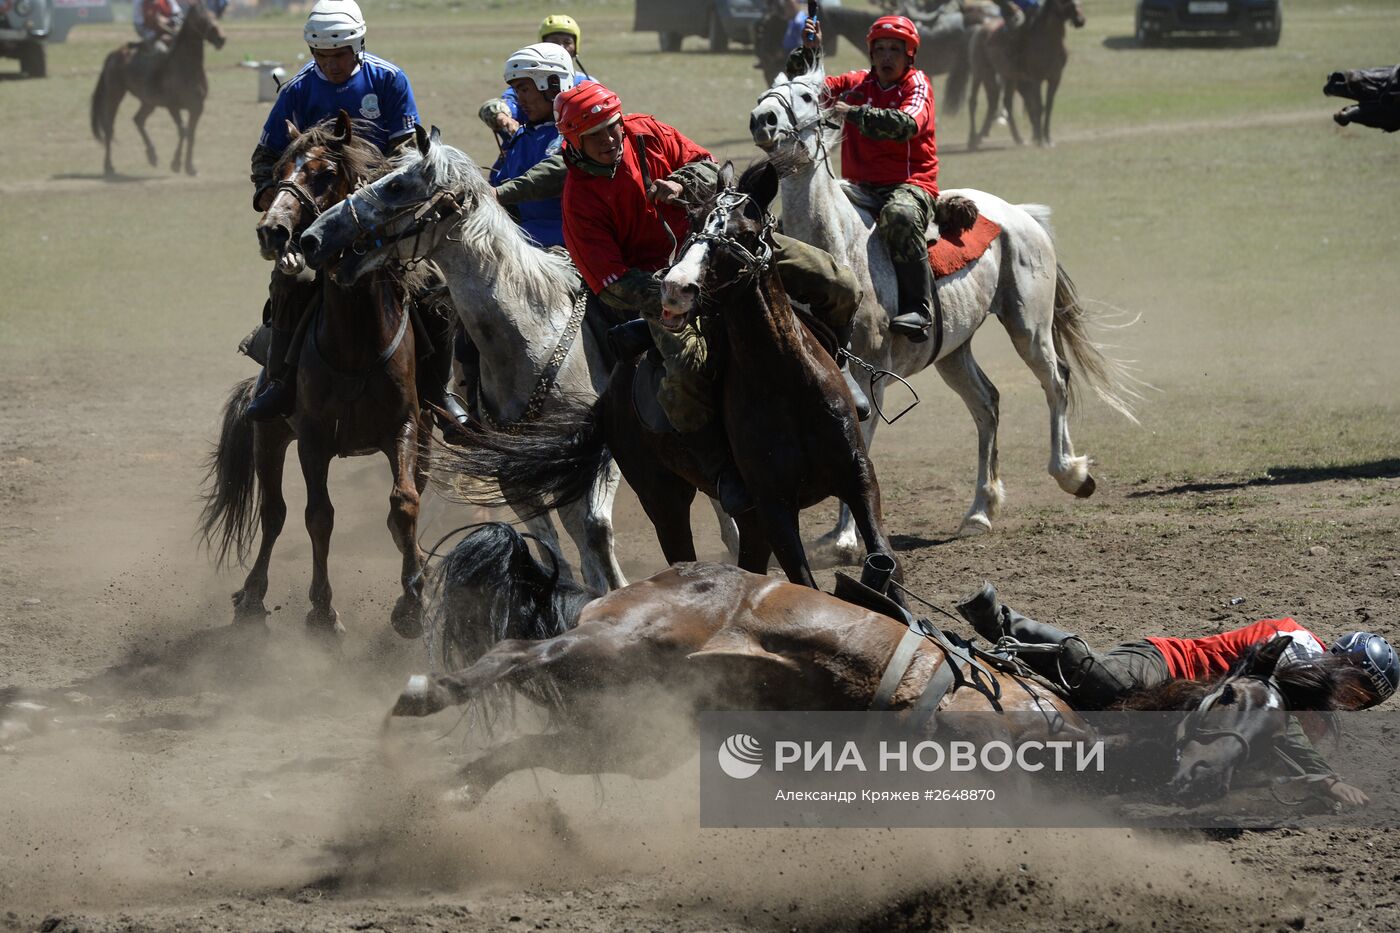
[(903, 220), (811, 276)]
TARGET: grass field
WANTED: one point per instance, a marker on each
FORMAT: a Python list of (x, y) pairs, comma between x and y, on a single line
[(1202, 192)]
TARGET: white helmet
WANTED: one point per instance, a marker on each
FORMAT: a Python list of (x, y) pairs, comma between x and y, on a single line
[(540, 63), (335, 24)]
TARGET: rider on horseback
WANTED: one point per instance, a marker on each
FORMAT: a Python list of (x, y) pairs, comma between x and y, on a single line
[(627, 179), (1098, 679), (340, 76), (503, 115), (888, 149)]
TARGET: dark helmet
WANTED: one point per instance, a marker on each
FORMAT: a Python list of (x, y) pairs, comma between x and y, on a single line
[(1372, 654)]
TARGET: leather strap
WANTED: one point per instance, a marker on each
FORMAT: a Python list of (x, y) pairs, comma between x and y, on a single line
[(894, 671)]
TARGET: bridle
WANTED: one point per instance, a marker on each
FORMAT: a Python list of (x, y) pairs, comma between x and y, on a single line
[(444, 204), (305, 198), (752, 264), (799, 127), (1192, 730)]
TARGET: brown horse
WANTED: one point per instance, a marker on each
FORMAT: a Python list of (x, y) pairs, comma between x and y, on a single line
[(176, 83), (356, 394), (617, 671), (1006, 61), (788, 414)]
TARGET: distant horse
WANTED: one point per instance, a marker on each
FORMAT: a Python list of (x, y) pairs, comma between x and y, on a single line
[(942, 44), (615, 670), (1377, 95), (1006, 61), (177, 83), (520, 305), (356, 394), (1017, 279)]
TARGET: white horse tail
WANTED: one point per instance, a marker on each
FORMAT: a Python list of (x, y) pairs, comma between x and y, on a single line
[(1110, 378)]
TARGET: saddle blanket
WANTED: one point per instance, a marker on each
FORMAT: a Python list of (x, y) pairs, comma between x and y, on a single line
[(948, 254)]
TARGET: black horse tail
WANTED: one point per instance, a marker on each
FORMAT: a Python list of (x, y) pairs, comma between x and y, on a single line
[(490, 588), (231, 498), (101, 116), (542, 465)]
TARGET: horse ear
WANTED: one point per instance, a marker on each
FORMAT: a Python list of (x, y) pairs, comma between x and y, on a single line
[(292, 131), (1266, 660), (343, 129), (420, 136), (760, 182), (726, 177), (435, 136)]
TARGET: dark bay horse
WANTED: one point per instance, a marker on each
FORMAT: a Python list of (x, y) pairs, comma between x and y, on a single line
[(356, 394), (621, 670), (788, 415), (178, 84), (1005, 62)]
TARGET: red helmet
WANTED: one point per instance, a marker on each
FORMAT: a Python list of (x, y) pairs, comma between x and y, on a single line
[(583, 108), (894, 27)]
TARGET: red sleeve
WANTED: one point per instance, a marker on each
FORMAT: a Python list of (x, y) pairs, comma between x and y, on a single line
[(676, 148), (592, 242), (920, 102), (836, 85)]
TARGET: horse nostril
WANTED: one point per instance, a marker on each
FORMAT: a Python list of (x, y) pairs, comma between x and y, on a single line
[(690, 291), (310, 243), (770, 118)]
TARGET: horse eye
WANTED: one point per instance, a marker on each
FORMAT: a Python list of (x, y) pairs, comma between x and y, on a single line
[(395, 186), (807, 98)]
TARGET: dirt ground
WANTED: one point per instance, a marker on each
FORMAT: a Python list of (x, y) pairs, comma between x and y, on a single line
[(160, 770)]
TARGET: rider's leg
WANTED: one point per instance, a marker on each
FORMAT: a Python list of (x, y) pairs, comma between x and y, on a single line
[(903, 225), (289, 296), (813, 278), (438, 317), (687, 395)]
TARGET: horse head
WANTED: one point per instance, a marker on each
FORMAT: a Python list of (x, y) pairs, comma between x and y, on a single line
[(319, 168), (789, 122), (203, 24), (1239, 718), (731, 243), (402, 216)]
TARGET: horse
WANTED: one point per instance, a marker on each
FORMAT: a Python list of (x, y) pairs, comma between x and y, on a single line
[(942, 44), (618, 671), (177, 83), (356, 394), (1006, 60), (1017, 279), (521, 306)]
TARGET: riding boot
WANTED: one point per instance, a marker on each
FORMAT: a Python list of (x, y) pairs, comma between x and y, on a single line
[(630, 339), (915, 281), (710, 448), (857, 394), (452, 418), (278, 395)]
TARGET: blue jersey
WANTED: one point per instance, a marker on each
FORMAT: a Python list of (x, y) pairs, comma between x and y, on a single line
[(378, 93), (509, 96), (532, 143)]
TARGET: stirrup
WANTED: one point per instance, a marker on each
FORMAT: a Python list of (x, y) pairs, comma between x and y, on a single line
[(911, 325)]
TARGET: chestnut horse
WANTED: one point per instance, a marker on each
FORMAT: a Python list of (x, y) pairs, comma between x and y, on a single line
[(177, 83), (618, 670), (356, 394), (788, 415), (1006, 61)]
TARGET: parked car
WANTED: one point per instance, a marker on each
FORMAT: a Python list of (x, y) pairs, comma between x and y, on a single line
[(70, 13), (1255, 22), (720, 21), (24, 25)]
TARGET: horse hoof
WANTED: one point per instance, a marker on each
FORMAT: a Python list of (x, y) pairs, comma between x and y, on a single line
[(325, 623), (1086, 488), (191, 171), (407, 618), (151, 158), (974, 525), (246, 610)]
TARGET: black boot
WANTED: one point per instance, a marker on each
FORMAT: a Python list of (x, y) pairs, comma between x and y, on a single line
[(983, 610), (710, 448), (278, 396), (451, 417), (915, 281), (630, 339)]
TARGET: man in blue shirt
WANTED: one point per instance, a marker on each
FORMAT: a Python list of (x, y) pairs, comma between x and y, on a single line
[(340, 76), (502, 115)]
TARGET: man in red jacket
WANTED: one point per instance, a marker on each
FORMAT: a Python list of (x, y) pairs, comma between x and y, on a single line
[(626, 177), (888, 148)]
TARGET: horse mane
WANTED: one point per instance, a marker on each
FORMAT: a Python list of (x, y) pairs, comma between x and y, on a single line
[(359, 157), (538, 279)]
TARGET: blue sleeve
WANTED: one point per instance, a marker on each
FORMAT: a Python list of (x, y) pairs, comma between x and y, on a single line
[(509, 97), (284, 108), (400, 110)]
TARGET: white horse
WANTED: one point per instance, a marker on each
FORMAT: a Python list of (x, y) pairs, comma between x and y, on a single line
[(1017, 279), (515, 300)]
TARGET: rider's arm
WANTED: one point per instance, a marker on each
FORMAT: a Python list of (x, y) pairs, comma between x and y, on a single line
[(811, 276), (1296, 745), (542, 181), (264, 160), (400, 111), (880, 123), (635, 292), (697, 180)]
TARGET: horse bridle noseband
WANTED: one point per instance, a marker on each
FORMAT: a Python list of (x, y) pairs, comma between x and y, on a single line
[(800, 127), (1191, 729), (442, 205), (752, 264)]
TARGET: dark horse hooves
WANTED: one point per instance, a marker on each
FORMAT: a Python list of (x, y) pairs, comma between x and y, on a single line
[(1086, 488), (325, 624), (246, 609), (407, 618)]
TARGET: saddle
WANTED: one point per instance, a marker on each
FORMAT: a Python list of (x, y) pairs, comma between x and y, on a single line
[(958, 234)]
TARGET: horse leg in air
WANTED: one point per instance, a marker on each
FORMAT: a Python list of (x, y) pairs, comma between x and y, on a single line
[(1030, 323), (754, 551), (139, 118), (270, 441), (779, 521), (962, 374), (196, 110), (180, 138), (841, 546), (1051, 85), (589, 523), (314, 451), (407, 617)]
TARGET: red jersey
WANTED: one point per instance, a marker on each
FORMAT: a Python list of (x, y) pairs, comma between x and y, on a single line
[(609, 225), (888, 161), (156, 14), (1211, 656)]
